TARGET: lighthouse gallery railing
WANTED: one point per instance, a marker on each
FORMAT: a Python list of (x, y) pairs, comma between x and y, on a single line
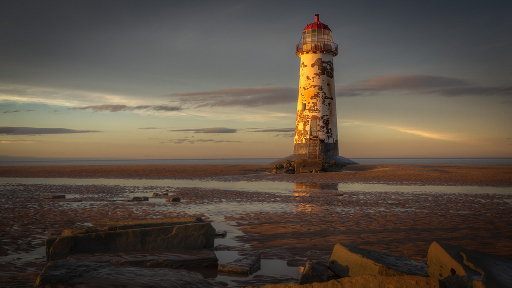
[(317, 46)]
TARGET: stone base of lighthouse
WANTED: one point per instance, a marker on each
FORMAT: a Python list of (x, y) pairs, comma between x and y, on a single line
[(339, 160)]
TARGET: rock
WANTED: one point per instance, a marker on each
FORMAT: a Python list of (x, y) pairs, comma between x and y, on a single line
[(338, 269), (244, 265), (185, 237), (367, 262), (148, 223), (314, 272), (369, 281), (221, 234), (137, 199), (68, 232), (156, 195), (175, 259), (86, 274), (173, 199), (114, 226), (308, 165), (55, 197), (476, 269)]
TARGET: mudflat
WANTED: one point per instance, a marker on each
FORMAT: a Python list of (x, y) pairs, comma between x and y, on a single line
[(295, 225), (472, 175)]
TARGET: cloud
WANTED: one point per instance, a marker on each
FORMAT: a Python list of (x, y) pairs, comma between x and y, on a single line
[(246, 97), (16, 111), (427, 134), (83, 100), (193, 141), (444, 86), (261, 96), (33, 131), (208, 130), (282, 130), (118, 108), (14, 141), (423, 133), (148, 128)]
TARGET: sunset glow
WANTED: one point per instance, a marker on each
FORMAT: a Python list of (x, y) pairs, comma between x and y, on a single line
[(165, 80)]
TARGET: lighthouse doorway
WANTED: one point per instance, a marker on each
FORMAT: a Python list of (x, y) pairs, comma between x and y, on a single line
[(314, 128)]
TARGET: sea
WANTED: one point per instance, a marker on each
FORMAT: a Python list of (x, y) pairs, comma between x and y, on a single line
[(26, 161)]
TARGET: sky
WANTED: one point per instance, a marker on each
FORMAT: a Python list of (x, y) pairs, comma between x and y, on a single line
[(219, 79)]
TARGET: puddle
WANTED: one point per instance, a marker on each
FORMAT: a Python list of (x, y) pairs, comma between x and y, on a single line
[(35, 255), (262, 186), (272, 271)]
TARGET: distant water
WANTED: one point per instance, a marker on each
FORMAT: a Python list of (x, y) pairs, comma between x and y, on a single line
[(11, 161), (449, 161)]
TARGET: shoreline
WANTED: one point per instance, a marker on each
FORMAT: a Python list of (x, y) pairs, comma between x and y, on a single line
[(401, 174)]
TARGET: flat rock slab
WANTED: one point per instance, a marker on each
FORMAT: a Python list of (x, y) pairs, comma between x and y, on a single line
[(148, 223), (243, 265), (369, 281), (71, 273), (182, 237), (367, 262), (479, 269)]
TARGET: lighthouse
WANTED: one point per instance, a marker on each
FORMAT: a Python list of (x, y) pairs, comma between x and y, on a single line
[(316, 129)]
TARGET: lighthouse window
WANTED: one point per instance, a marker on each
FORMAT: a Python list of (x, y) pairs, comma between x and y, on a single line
[(303, 106)]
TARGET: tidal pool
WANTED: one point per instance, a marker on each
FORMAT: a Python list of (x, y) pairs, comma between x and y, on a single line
[(264, 186)]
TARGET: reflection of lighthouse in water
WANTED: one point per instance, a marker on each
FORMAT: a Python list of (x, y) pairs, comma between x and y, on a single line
[(316, 130)]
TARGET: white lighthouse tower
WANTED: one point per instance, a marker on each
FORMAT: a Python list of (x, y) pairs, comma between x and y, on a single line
[(316, 130)]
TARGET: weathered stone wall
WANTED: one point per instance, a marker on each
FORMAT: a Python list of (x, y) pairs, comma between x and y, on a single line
[(316, 102)]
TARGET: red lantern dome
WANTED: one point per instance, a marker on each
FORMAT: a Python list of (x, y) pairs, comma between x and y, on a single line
[(316, 38), (317, 24)]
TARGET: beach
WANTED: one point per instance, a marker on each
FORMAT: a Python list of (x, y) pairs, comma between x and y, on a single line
[(305, 222)]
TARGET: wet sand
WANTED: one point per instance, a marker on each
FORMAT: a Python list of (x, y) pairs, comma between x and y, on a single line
[(470, 175), (282, 226)]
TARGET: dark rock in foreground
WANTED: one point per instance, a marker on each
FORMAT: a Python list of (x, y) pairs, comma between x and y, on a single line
[(367, 262), (314, 272), (458, 266), (175, 259), (184, 237), (85, 274), (369, 281), (243, 266)]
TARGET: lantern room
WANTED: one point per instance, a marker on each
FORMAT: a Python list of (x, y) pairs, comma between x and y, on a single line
[(316, 37)]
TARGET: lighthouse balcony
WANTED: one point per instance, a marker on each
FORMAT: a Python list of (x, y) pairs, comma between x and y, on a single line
[(317, 46)]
